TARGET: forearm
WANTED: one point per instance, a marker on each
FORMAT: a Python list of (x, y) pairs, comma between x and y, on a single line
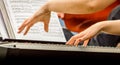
[(111, 27), (68, 6), (78, 6)]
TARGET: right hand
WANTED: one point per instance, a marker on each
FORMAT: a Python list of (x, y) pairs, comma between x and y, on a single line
[(42, 14), (86, 34)]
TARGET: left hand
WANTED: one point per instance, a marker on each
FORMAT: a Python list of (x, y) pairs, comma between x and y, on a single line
[(42, 15)]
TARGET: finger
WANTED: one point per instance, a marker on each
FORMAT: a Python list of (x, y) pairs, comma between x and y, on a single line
[(77, 41), (85, 39), (28, 28), (71, 41), (46, 26), (23, 24), (85, 43), (21, 28)]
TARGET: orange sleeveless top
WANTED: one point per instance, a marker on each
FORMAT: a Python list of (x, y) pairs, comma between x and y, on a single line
[(79, 22)]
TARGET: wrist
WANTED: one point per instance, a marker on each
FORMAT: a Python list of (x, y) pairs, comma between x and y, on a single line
[(100, 26), (45, 8), (42, 11), (103, 26)]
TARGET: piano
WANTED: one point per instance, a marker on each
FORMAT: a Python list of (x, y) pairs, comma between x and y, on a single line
[(43, 51)]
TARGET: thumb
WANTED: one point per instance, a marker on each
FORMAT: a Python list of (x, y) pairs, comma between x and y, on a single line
[(46, 26), (86, 42)]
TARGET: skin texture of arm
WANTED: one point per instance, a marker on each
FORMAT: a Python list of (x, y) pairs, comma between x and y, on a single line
[(110, 27), (78, 6)]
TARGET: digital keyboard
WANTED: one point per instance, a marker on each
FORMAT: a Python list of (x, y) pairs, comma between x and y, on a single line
[(59, 47), (52, 50)]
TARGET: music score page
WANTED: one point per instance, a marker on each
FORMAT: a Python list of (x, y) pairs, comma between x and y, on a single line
[(19, 10)]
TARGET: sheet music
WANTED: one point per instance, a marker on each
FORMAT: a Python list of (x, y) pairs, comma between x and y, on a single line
[(2, 28), (19, 10)]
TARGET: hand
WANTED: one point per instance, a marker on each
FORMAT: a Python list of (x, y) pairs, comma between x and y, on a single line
[(85, 35), (61, 15), (41, 15)]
